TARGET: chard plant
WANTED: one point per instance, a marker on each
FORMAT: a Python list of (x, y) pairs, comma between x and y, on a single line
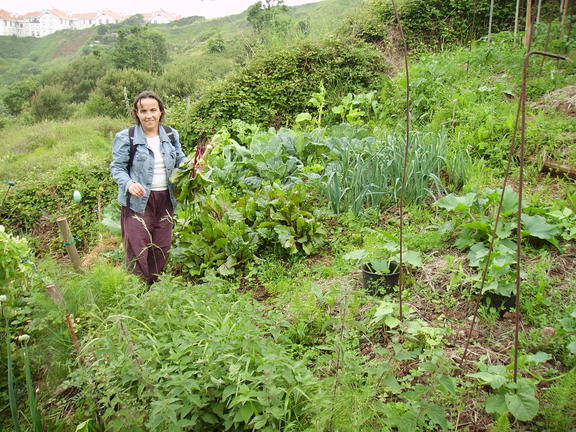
[(267, 157), (223, 234), (318, 101), (358, 108)]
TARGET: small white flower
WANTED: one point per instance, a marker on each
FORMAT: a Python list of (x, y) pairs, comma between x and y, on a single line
[(23, 338), (3, 298)]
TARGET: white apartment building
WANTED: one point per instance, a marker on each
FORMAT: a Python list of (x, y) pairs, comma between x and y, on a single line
[(39, 24)]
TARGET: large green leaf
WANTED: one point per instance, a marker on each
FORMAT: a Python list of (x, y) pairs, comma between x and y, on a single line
[(522, 404), (477, 253), (509, 203), (356, 255), (452, 202), (496, 404), (493, 380), (536, 226), (437, 415)]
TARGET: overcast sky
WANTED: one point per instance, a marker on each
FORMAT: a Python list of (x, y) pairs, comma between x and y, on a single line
[(206, 8)]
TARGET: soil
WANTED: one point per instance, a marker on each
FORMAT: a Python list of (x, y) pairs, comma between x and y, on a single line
[(563, 100)]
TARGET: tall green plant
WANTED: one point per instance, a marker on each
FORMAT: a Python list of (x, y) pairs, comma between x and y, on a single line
[(367, 171)]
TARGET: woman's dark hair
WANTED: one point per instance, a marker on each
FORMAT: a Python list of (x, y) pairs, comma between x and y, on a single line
[(147, 94)]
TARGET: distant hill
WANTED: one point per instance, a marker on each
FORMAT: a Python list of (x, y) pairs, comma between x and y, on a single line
[(187, 39), (21, 56)]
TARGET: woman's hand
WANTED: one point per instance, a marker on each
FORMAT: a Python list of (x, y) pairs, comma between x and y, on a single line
[(137, 190)]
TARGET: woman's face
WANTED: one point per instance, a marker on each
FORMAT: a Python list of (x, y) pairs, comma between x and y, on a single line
[(149, 115)]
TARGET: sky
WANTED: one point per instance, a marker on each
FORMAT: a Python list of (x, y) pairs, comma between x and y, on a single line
[(206, 8)]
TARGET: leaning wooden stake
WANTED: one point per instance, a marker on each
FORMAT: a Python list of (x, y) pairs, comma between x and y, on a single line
[(564, 12), (516, 19), (528, 25), (490, 19), (69, 243), (521, 108)]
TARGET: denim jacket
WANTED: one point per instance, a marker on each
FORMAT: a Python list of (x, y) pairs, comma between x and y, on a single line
[(142, 169)]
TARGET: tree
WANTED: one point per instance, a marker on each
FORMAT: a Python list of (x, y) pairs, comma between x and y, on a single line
[(19, 94), (116, 90), (50, 103), (79, 78), (140, 48), (267, 15)]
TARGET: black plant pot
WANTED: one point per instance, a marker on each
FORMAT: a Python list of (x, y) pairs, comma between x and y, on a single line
[(380, 283), (499, 302)]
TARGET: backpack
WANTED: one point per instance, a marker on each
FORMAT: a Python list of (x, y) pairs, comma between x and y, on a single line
[(169, 131)]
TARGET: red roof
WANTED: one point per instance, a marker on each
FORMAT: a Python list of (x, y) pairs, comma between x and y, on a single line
[(34, 14), (88, 15), (59, 13), (113, 14), (6, 15)]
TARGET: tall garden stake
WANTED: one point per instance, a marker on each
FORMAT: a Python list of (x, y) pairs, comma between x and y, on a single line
[(490, 19), (546, 43), (516, 19), (492, 239), (406, 147), (520, 189), (521, 109), (528, 25)]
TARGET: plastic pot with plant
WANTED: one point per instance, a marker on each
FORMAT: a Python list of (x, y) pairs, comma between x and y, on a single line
[(379, 261)]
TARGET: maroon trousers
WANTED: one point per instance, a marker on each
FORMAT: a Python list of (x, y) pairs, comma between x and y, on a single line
[(147, 237)]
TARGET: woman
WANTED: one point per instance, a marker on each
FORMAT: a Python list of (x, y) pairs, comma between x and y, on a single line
[(143, 159)]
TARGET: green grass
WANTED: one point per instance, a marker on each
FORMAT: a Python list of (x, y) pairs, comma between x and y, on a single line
[(27, 152)]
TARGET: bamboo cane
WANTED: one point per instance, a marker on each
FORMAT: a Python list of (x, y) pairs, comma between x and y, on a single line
[(69, 243)]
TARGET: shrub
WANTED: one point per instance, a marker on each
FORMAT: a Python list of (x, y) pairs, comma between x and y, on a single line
[(19, 94), (432, 23), (34, 206), (216, 45), (116, 90), (51, 103), (275, 87), (79, 78), (179, 80)]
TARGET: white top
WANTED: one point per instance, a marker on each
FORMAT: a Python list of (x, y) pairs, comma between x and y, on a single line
[(159, 180)]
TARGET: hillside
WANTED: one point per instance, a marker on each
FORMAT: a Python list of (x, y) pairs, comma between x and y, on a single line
[(21, 57)]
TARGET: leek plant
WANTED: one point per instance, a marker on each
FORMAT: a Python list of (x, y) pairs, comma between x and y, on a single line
[(367, 172)]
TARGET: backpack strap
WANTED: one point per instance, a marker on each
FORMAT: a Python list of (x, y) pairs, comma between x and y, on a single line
[(132, 150), (170, 132), (131, 154)]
